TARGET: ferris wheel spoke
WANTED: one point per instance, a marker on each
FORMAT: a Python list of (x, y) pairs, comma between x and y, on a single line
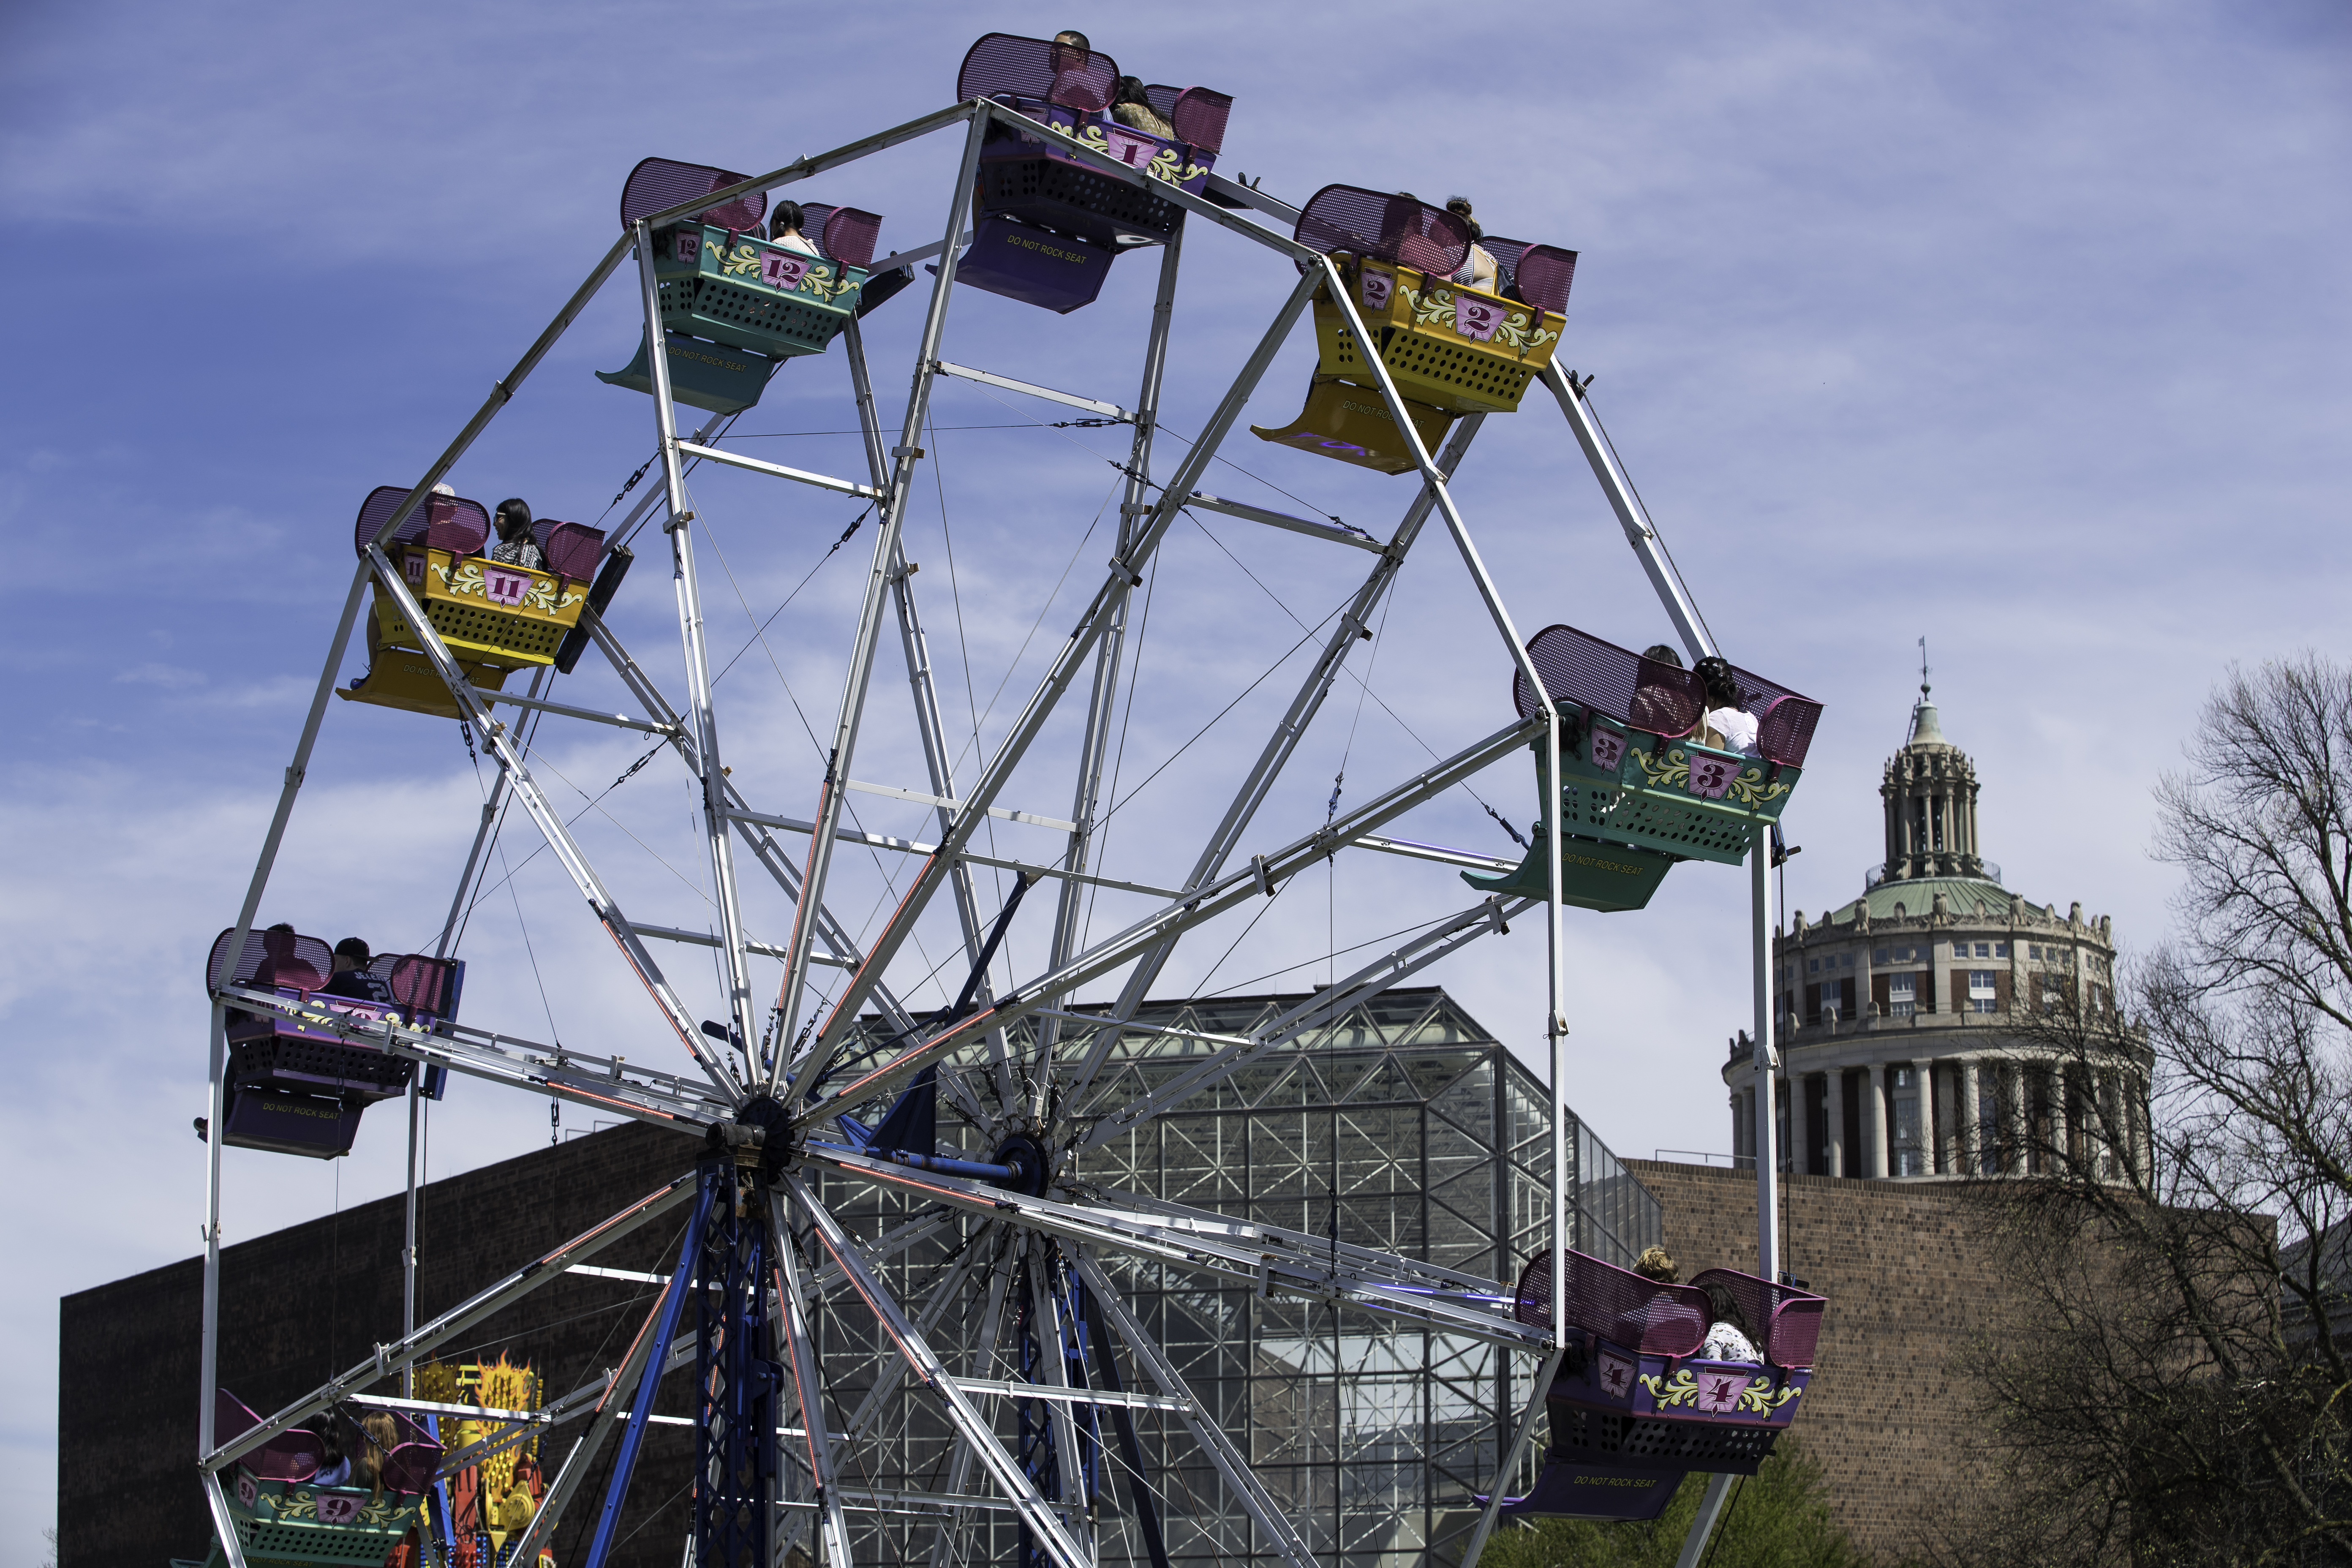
[(391, 1358), (1230, 1462), (978, 1356), (1050, 1333), (703, 716), (1034, 1510), (499, 742), (860, 666), (897, 1240), (1399, 962), (1270, 1260), (762, 844), (930, 729), (945, 1293), (1354, 622), (1126, 570), (808, 1393), (607, 1392), (1102, 702), (1265, 874), (1402, 1270)]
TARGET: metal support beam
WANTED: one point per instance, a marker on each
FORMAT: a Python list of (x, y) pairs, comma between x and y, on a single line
[(1114, 952), (1102, 703), (838, 759), (541, 1270), (1509, 1466), (499, 741), (1355, 623), (1230, 1461), (1066, 664), (1034, 1510), (1621, 499), (702, 713)]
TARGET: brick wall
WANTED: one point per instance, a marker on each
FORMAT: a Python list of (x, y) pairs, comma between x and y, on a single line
[(1888, 1412), (306, 1302)]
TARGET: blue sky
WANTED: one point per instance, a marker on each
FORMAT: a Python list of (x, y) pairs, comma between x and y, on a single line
[(2020, 327)]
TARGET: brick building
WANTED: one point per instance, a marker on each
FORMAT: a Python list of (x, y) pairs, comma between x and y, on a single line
[(1911, 1287)]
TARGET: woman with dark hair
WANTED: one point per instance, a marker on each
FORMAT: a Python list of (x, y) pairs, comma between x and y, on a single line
[(1478, 269), (1728, 726), (515, 547), (1663, 654), (334, 1465), (1728, 1337), (1131, 107), (784, 227)]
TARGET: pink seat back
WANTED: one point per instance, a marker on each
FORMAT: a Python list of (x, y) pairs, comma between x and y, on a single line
[(289, 1457), (418, 982), (1786, 730), (444, 522), (658, 185), (1008, 63), (1662, 698), (269, 959), (1543, 274), (1616, 1304), (1786, 1320), (409, 1468), (847, 233), (1200, 118), (1382, 223), (572, 549), (1668, 701)]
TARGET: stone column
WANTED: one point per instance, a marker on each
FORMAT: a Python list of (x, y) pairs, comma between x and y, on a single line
[(1873, 1120), (1834, 1118), (1971, 1119), (2013, 1106)]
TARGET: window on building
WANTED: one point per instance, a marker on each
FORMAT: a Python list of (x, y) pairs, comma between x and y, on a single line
[(2001, 950), (1812, 966), (1903, 995), (1982, 993), (2033, 950), (1908, 1161), (1984, 950), (1878, 955), (1845, 961)]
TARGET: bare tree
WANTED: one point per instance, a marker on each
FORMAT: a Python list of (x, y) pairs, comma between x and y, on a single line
[(2173, 1389)]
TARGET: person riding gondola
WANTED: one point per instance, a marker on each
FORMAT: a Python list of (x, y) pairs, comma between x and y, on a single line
[(1728, 1337), (1131, 108), (515, 546), (1728, 726), (784, 227), (1478, 269), (352, 977)]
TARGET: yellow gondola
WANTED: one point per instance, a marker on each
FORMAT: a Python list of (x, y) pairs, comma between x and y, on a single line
[(1450, 348)]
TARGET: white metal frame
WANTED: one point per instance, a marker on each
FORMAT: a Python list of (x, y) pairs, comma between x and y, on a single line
[(818, 1260)]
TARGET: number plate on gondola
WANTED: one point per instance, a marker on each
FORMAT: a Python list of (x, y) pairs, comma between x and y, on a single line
[(1710, 776), (1476, 318), (780, 270), (504, 586)]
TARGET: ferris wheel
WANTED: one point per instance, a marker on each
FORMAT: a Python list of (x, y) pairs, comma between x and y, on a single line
[(906, 1270)]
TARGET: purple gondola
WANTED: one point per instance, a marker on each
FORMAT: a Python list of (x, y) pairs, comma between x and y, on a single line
[(1633, 1409)]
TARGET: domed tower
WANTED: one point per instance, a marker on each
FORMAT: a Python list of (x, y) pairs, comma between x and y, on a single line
[(1929, 795), (1902, 1016)]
